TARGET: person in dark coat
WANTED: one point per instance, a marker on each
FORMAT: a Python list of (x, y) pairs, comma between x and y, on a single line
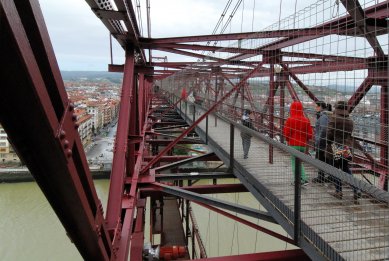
[(297, 132), (340, 128), (246, 137), (321, 137)]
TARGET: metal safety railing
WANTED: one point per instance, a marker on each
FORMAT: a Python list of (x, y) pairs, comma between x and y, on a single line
[(322, 224)]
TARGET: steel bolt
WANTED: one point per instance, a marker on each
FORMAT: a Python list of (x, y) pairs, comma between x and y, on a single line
[(71, 106), (100, 206), (66, 144), (62, 134), (69, 153), (98, 230)]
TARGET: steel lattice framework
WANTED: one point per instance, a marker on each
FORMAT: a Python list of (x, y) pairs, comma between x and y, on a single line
[(285, 57)]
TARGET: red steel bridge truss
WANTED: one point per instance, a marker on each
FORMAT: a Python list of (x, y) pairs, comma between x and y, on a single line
[(41, 125)]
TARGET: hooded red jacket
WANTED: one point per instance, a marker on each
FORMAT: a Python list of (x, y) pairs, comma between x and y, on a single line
[(297, 129)]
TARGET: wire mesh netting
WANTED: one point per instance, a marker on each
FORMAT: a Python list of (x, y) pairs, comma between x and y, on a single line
[(313, 86)]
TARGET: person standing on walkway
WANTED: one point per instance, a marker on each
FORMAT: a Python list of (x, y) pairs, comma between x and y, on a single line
[(321, 137), (247, 118), (297, 132), (339, 145)]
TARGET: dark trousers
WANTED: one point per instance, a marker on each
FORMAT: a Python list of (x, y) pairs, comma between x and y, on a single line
[(321, 155), (246, 142), (343, 165)]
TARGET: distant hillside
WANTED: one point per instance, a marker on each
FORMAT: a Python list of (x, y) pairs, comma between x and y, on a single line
[(351, 89), (92, 76)]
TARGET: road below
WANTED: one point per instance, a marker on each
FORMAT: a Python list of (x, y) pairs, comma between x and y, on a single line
[(100, 151)]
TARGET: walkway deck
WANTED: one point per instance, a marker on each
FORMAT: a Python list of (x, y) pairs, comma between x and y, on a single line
[(331, 228)]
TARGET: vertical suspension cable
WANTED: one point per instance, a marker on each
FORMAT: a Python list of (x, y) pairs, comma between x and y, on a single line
[(294, 20), (230, 17), (335, 10), (252, 21), (228, 22), (241, 23), (110, 47), (294, 15), (222, 16), (219, 22), (149, 27), (139, 13), (148, 18), (279, 16)]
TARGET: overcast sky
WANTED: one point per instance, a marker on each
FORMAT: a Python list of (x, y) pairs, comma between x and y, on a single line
[(81, 41)]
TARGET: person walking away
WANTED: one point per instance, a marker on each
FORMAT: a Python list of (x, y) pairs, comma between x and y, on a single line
[(297, 132), (320, 137), (247, 118), (339, 145)]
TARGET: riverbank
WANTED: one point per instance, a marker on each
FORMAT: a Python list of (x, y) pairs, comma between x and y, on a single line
[(14, 175)]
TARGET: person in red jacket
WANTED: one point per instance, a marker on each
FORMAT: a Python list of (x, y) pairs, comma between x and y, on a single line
[(297, 132)]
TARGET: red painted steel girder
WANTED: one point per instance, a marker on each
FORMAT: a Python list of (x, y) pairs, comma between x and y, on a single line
[(137, 239), (292, 91), (250, 99), (168, 158), (248, 223), (164, 124), (128, 201), (330, 64), (197, 64), (337, 63), (300, 83), (337, 26), (119, 160), (344, 23), (42, 127), (384, 120), (317, 67), (328, 67), (113, 27), (167, 109), (128, 157), (323, 57), (197, 47), (165, 142), (196, 55), (238, 36), (141, 69), (112, 20), (359, 94), (190, 128), (358, 15), (134, 159), (302, 35)]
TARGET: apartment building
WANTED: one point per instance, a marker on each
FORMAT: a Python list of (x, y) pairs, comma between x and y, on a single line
[(85, 123), (7, 153)]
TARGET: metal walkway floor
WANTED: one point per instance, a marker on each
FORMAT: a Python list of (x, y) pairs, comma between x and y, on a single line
[(331, 228)]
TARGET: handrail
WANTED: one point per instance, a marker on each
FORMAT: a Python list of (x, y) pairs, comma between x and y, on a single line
[(378, 193)]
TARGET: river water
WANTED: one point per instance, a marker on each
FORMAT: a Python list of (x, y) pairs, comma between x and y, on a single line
[(30, 230)]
